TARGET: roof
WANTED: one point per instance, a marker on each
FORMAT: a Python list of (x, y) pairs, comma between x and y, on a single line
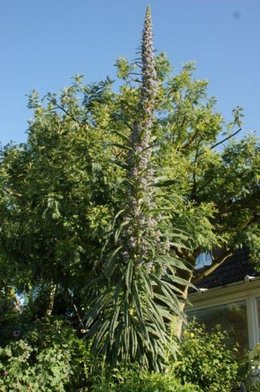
[(234, 269)]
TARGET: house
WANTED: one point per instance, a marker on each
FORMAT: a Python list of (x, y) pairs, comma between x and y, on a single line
[(230, 296)]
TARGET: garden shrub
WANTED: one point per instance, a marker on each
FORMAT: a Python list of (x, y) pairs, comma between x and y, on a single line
[(250, 370), (9, 314), (205, 359), (145, 382), (48, 357), (253, 387)]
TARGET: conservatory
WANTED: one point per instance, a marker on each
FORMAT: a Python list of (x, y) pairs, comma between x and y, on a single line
[(230, 297)]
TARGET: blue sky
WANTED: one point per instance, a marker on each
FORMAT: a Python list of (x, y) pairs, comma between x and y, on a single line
[(44, 43)]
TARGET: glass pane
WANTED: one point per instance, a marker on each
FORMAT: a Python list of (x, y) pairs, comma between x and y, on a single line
[(232, 318)]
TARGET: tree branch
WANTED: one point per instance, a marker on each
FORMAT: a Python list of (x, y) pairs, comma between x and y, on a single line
[(57, 106), (192, 139), (217, 263), (194, 187), (71, 299), (205, 184), (223, 141)]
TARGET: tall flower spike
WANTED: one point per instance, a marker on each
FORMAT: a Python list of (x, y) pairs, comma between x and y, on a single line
[(141, 199), (149, 77), (133, 324)]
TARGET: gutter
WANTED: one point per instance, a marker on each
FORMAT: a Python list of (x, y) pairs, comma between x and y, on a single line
[(240, 290)]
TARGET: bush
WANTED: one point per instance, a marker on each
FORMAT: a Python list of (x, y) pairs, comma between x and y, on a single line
[(205, 360), (48, 357), (250, 370), (144, 382)]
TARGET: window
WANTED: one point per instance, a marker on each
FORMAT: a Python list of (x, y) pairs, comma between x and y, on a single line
[(232, 317)]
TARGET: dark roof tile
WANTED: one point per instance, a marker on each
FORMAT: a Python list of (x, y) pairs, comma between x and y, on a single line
[(234, 269)]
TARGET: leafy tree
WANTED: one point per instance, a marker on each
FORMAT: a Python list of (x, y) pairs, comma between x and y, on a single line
[(106, 207)]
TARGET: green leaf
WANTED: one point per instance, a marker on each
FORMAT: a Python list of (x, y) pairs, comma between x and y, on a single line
[(123, 136), (165, 183), (129, 274), (110, 262), (120, 163), (121, 146), (173, 262)]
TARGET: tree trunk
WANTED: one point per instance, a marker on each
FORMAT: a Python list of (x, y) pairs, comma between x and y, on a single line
[(177, 322), (51, 299)]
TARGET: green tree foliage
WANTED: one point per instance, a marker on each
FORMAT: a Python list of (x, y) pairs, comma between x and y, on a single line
[(115, 193)]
